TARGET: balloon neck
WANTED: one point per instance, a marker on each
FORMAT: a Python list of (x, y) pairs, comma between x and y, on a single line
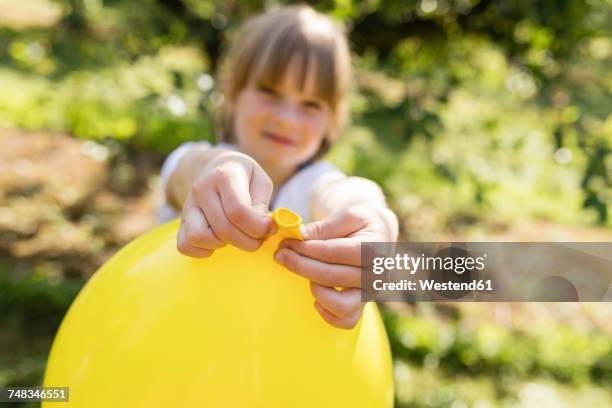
[(288, 223)]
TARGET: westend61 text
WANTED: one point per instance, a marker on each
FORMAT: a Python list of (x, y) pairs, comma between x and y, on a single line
[(432, 285)]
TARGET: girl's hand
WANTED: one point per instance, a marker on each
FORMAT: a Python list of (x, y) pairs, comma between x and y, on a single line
[(228, 204), (330, 257)]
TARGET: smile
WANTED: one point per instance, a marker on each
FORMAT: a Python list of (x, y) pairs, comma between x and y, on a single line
[(275, 137)]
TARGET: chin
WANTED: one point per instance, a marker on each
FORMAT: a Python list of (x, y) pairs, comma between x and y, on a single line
[(285, 164), (277, 159)]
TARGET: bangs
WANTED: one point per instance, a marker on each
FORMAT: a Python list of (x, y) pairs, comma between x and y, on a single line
[(314, 58)]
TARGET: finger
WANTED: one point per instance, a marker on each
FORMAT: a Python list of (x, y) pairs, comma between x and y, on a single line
[(261, 190), (339, 225), (346, 251), (320, 272), (347, 322), (196, 228), (235, 194), (341, 303), (185, 248), (223, 228)]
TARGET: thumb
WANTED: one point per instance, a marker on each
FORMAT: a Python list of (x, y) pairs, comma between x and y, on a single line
[(260, 188), (338, 225)]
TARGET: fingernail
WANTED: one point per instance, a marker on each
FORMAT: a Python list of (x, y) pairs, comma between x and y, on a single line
[(279, 256)]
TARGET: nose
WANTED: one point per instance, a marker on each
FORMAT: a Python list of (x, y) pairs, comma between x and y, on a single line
[(286, 115)]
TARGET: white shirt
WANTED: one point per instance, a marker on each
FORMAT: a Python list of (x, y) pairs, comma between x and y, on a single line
[(296, 194)]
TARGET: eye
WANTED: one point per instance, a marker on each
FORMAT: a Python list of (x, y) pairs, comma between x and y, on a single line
[(312, 105), (267, 91)]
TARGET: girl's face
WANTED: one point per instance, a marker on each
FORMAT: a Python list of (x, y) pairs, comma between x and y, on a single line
[(281, 126)]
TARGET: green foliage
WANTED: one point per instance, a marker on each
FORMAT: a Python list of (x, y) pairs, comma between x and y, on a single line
[(494, 359), (137, 102), (32, 306)]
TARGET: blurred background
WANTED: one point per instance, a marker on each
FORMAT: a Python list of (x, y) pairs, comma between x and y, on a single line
[(482, 120)]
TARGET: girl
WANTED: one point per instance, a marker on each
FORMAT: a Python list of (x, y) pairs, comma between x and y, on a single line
[(285, 85)]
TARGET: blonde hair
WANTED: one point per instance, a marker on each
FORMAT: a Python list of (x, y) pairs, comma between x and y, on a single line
[(265, 45)]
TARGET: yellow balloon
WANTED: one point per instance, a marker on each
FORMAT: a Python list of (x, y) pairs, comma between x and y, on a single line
[(154, 328)]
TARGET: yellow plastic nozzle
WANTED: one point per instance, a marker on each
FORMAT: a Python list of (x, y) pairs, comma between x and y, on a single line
[(288, 223)]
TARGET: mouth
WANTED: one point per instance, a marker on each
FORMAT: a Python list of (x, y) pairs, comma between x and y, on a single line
[(275, 137)]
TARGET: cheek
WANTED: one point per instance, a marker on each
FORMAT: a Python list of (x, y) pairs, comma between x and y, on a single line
[(316, 127), (259, 109), (250, 115)]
